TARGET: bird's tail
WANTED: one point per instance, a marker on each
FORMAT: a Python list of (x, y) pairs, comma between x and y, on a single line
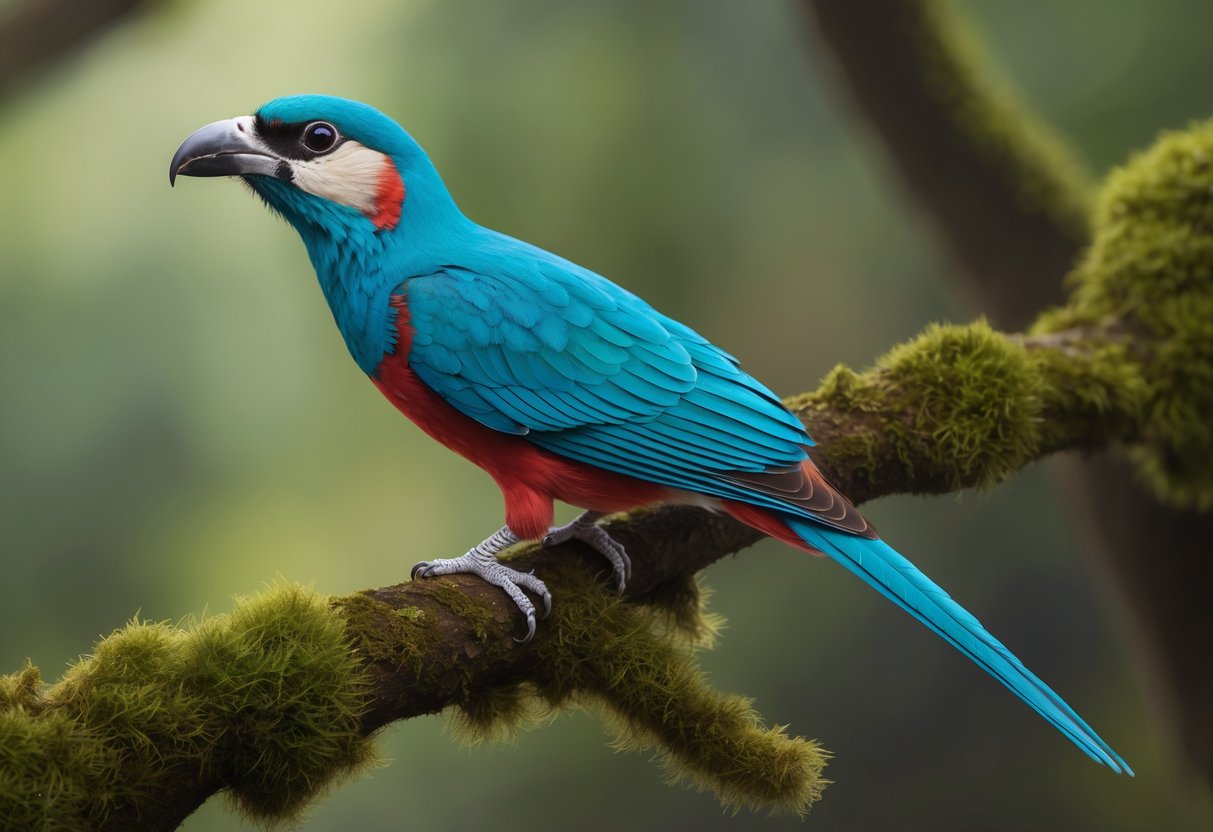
[(894, 577)]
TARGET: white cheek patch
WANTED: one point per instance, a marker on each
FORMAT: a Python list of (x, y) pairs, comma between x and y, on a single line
[(356, 176)]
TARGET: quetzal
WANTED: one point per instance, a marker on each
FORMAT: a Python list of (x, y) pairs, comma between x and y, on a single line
[(557, 382)]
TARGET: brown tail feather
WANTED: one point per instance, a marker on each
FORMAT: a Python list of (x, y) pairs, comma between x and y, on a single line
[(807, 489)]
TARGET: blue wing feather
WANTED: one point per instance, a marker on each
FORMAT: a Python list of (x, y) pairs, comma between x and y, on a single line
[(589, 371)]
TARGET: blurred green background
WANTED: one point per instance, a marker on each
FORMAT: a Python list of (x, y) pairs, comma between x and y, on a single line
[(180, 421)]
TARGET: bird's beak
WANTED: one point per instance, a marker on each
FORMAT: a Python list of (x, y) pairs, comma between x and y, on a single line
[(225, 148)]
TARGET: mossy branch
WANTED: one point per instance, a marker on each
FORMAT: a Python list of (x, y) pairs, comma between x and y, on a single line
[(275, 701)]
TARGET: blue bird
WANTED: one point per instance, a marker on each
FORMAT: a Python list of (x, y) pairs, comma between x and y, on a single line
[(557, 382)]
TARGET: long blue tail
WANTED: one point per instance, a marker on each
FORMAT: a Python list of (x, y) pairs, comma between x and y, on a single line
[(902, 583)]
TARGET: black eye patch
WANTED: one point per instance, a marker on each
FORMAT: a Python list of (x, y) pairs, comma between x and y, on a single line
[(299, 140)]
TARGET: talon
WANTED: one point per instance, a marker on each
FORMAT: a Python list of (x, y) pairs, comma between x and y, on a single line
[(547, 604), (530, 628), (420, 566), (585, 529), (547, 541)]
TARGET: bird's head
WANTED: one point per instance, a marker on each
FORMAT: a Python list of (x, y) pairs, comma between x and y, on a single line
[(335, 169)]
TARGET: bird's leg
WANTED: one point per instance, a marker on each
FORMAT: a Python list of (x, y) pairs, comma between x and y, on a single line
[(481, 560), (586, 529)]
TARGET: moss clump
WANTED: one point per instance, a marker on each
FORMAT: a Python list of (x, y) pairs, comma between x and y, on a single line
[(973, 394), (960, 406), (53, 775), (265, 700), (1151, 265), (1100, 390), (679, 610), (286, 685), (20, 689), (599, 652)]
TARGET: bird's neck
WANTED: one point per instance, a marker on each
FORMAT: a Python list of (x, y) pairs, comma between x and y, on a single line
[(358, 292), (360, 268)]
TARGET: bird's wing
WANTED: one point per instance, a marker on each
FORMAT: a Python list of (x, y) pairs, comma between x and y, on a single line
[(527, 350), (586, 370)]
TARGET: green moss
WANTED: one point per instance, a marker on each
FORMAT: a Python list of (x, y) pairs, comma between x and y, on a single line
[(974, 398), (679, 609), (460, 605), (599, 652), (411, 613), (1100, 390), (281, 674), (266, 700), (382, 635), (959, 406), (655, 695), (1151, 264), (53, 773), (499, 713), (20, 689)]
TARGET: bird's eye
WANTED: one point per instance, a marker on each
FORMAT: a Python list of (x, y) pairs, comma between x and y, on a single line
[(319, 136)]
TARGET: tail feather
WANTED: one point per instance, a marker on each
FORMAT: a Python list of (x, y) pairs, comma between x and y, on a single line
[(882, 568)]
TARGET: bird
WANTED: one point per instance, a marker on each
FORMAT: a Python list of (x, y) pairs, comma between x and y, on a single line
[(559, 383)]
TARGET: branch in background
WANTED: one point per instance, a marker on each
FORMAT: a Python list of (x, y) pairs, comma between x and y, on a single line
[(1006, 192), (36, 32), (1009, 203)]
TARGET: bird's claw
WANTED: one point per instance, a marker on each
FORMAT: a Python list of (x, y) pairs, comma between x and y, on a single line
[(530, 625), (586, 529), (482, 562)]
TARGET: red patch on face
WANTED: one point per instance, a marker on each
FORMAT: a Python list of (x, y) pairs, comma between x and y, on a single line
[(389, 197)]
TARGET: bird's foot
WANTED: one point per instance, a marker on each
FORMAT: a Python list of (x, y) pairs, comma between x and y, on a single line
[(482, 561), (586, 529)]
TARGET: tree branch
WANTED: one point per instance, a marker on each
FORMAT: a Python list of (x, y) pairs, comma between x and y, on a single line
[(278, 700), (35, 32), (994, 177)]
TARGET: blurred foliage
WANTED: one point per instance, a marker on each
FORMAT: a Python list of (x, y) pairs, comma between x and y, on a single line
[(180, 421)]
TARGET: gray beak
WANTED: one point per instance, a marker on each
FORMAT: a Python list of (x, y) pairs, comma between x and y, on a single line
[(225, 148)]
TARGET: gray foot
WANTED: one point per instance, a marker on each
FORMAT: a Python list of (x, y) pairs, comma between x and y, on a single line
[(482, 561), (586, 529)]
